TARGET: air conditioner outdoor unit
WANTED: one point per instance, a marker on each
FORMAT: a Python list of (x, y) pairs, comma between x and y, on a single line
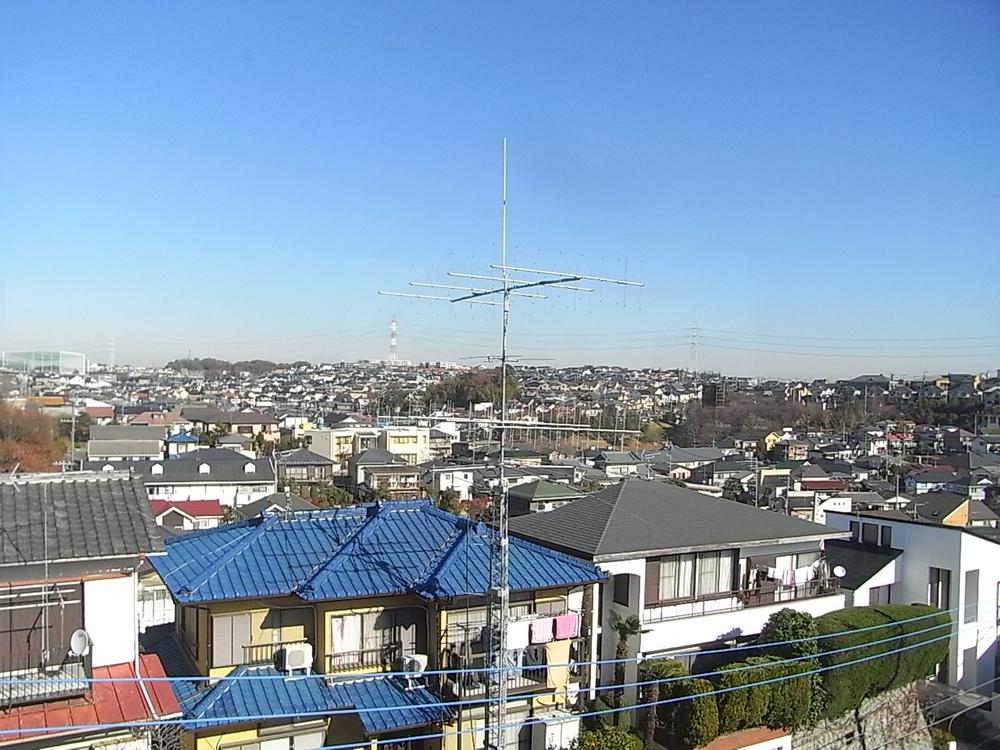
[(414, 665), (298, 658)]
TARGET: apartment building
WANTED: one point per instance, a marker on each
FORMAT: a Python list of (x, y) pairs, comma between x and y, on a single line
[(350, 594)]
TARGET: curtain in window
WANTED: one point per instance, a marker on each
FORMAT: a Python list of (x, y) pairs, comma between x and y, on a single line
[(726, 571), (668, 578), (685, 577), (708, 573), (345, 634)]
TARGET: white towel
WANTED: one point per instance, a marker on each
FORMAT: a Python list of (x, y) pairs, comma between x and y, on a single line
[(518, 634)]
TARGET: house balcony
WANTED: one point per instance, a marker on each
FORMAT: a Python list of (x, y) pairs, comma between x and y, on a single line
[(733, 601), (263, 653), (378, 659), (33, 685), (731, 615)]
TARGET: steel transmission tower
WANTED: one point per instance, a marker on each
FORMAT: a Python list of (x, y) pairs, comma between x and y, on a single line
[(499, 293)]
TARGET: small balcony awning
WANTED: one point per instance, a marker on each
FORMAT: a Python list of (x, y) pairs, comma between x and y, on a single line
[(384, 703)]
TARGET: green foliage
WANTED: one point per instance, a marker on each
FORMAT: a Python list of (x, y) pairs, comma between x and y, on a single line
[(475, 386), (657, 714), (790, 625), (606, 737), (734, 705), (329, 495), (696, 720), (941, 738), (848, 686)]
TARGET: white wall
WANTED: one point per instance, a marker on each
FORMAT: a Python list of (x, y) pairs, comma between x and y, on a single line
[(109, 616), (227, 494)]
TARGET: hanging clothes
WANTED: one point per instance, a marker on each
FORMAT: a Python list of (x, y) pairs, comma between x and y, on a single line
[(557, 673), (567, 625), (542, 630), (517, 634)]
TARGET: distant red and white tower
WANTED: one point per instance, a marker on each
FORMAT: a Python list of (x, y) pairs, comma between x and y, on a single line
[(393, 350)]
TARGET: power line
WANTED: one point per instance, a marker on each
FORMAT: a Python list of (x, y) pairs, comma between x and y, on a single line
[(441, 704)]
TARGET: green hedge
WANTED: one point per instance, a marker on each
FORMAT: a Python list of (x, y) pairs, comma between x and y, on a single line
[(847, 687), (607, 737), (791, 698), (696, 720)]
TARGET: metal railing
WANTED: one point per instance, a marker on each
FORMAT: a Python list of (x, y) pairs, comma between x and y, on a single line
[(732, 601), (260, 653), (382, 657), (64, 683)]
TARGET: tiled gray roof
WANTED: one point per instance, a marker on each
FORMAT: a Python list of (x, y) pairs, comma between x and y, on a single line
[(128, 432), (638, 517), (125, 447), (303, 457), (88, 516)]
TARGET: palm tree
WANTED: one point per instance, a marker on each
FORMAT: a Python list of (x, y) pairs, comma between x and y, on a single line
[(627, 628)]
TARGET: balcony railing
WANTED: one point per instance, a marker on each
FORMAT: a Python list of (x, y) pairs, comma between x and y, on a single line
[(372, 658), (261, 653), (64, 680), (732, 601)]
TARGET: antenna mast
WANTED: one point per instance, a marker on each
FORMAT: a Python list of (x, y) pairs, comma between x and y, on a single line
[(505, 287)]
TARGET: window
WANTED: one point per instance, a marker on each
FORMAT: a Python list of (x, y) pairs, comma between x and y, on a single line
[(879, 595), (971, 611), (204, 469), (156, 469), (855, 531), (249, 468), (938, 588), (230, 633), (621, 589), (886, 537), (869, 533), (685, 576)]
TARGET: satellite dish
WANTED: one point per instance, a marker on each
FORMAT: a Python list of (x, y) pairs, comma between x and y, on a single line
[(79, 643), (840, 571)]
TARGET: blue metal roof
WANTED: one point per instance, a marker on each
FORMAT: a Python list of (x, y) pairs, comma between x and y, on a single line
[(182, 437), (233, 701), (361, 551)]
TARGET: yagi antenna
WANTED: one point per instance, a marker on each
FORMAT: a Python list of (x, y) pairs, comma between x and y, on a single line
[(499, 294)]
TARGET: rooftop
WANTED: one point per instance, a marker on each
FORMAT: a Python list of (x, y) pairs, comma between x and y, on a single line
[(360, 551), (75, 516), (639, 517)]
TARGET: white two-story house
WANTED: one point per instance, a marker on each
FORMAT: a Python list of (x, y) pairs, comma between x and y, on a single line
[(698, 571), (957, 568)]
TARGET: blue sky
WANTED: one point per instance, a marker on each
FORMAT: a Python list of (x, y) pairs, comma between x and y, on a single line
[(814, 188)]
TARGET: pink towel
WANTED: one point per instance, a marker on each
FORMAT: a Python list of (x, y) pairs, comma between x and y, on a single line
[(567, 626), (541, 630)]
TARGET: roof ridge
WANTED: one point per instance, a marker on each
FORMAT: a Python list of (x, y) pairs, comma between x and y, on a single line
[(611, 515), (450, 547), (248, 539), (309, 579)]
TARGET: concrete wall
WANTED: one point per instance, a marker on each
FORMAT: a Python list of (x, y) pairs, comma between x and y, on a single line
[(879, 723)]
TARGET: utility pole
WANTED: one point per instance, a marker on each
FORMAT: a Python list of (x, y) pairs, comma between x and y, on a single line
[(505, 287)]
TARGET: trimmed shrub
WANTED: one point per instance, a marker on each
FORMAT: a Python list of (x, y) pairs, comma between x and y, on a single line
[(696, 720), (790, 625), (847, 687), (607, 737), (734, 704)]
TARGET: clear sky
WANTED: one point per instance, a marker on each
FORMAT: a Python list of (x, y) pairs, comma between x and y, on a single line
[(814, 187)]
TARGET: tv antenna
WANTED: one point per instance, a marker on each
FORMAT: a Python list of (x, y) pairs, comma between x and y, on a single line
[(499, 293)]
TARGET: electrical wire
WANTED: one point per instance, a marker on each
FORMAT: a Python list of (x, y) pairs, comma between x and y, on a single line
[(595, 662), (333, 712), (924, 709)]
